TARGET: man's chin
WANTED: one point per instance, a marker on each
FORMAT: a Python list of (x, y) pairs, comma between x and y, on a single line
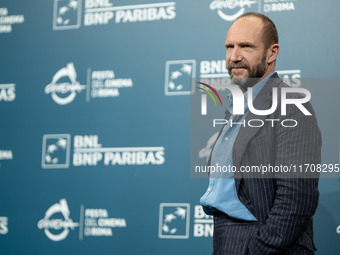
[(245, 82), (240, 81)]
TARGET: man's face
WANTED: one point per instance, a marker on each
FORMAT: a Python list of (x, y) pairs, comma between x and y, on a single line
[(246, 56)]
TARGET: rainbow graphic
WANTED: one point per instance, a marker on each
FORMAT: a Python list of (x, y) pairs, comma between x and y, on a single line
[(209, 93)]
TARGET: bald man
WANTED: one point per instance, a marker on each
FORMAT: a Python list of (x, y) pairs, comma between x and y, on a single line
[(269, 214)]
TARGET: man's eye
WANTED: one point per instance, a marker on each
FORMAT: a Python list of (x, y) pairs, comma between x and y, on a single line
[(229, 47)]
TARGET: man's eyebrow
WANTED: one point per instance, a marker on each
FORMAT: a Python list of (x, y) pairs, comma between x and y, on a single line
[(247, 43), (240, 43)]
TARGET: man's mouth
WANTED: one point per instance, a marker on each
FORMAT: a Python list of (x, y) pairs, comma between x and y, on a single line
[(238, 68)]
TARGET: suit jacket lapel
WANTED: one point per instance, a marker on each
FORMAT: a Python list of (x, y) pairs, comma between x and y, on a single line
[(262, 102)]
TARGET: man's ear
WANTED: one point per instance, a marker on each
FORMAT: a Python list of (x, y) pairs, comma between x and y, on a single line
[(272, 53)]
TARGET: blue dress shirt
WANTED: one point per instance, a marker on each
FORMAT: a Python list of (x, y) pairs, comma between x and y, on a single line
[(221, 193)]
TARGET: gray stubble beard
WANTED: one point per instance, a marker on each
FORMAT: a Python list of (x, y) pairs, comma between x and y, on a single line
[(252, 76)]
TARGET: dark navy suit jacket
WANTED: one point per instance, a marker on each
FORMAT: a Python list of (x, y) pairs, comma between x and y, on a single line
[(283, 204)]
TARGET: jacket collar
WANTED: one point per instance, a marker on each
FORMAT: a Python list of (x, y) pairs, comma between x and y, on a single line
[(262, 102)]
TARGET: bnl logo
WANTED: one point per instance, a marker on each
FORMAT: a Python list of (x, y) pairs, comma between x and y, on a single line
[(174, 220), (178, 76), (66, 14), (3, 225), (56, 151)]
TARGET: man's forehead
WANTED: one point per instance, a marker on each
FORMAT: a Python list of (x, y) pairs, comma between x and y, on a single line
[(250, 28)]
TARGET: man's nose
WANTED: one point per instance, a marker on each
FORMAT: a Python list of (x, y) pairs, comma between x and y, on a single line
[(236, 55)]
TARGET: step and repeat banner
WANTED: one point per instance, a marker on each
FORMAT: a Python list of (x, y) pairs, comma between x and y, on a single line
[(95, 118)]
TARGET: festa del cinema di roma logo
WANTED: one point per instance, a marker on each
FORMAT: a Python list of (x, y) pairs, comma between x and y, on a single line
[(64, 85), (95, 222), (230, 10), (57, 229), (238, 104)]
